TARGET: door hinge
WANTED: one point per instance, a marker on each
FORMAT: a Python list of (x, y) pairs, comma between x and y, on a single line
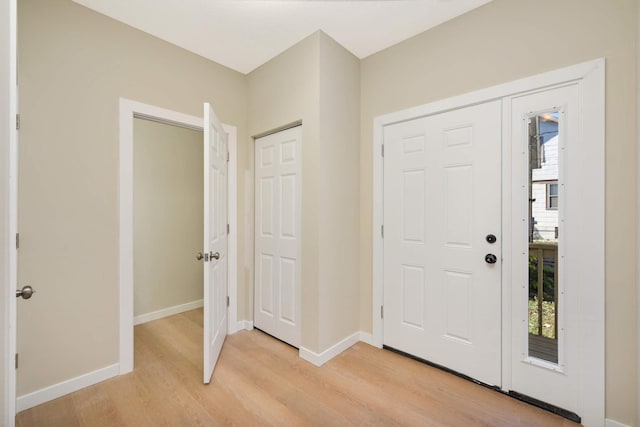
[(382, 311), (382, 150), (16, 360), (17, 240), (228, 229), (227, 156), (17, 121), (227, 301), (382, 231)]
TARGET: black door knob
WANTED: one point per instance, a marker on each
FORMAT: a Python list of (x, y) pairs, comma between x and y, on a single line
[(491, 238), (490, 258)]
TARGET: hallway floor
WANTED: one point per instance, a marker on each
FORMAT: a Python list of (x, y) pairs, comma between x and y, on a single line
[(262, 381)]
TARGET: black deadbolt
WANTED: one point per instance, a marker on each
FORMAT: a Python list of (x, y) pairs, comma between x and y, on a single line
[(490, 258), (491, 238)]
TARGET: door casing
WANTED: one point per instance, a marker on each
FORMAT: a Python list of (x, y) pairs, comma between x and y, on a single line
[(590, 76), (128, 110)]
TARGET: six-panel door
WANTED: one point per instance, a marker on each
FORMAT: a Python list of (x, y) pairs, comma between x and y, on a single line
[(277, 235), (442, 197), (215, 240)]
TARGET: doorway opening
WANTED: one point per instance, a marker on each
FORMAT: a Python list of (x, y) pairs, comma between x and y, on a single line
[(168, 227), (129, 112)]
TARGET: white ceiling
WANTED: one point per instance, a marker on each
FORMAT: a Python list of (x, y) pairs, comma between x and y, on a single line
[(244, 34)]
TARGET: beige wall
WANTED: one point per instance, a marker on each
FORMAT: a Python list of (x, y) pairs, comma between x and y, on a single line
[(339, 154), (284, 90), (316, 81), (74, 65), (4, 193), (503, 41), (168, 224)]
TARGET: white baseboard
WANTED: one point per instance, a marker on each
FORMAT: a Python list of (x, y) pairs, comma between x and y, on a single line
[(612, 423), (69, 386), (367, 338), (320, 359), (170, 311), (240, 325), (247, 325)]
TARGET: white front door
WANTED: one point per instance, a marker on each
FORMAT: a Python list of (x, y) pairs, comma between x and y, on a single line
[(215, 240), (549, 341), (442, 199), (277, 235)]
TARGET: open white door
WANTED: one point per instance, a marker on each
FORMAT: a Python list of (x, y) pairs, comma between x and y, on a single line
[(215, 240), (9, 196)]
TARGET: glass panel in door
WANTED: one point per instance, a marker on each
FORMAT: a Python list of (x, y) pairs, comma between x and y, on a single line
[(543, 136)]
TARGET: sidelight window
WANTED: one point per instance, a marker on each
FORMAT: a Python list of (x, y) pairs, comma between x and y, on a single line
[(543, 236)]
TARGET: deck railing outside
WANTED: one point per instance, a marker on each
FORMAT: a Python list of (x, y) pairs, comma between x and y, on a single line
[(543, 260)]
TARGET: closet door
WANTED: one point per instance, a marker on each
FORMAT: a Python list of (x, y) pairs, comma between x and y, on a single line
[(277, 235)]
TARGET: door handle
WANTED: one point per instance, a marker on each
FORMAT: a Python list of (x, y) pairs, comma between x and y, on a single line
[(207, 257), (26, 292), (490, 258)]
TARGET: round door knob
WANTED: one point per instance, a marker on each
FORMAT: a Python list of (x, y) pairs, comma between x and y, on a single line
[(26, 292), (490, 258), (491, 238), (215, 255), (199, 256)]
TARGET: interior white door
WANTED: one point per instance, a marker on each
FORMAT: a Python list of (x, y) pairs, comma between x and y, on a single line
[(277, 235), (215, 240), (442, 198), (551, 376), (9, 179)]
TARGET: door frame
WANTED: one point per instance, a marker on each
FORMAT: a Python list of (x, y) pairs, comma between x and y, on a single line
[(10, 213), (129, 110), (590, 75)]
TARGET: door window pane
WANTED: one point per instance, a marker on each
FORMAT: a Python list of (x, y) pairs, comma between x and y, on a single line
[(543, 236)]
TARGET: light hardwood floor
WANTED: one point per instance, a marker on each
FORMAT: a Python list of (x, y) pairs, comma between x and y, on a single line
[(262, 381)]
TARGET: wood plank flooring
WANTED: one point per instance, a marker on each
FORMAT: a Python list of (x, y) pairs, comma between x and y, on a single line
[(262, 381)]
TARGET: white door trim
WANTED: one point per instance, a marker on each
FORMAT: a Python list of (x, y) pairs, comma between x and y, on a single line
[(11, 226), (591, 76), (129, 109)]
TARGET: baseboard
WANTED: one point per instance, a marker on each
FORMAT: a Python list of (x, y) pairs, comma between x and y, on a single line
[(170, 311), (367, 338), (320, 359), (612, 423), (240, 325), (69, 386), (246, 325)]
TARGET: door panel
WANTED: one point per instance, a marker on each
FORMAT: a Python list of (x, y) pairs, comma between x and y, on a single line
[(442, 197), (277, 225), (215, 240), (548, 236)]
